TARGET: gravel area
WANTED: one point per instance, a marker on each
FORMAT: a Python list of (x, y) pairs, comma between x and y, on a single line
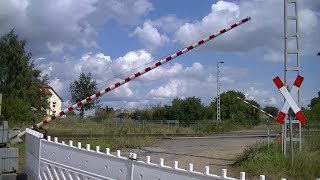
[(215, 151)]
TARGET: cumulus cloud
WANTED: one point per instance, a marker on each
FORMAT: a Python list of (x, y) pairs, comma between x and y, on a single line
[(196, 80), (263, 96), (53, 27), (168, 23), (106, 71), (150, 36), (261, 32)]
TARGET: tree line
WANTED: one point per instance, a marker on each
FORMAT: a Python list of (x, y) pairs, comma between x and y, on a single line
[(192, 108)]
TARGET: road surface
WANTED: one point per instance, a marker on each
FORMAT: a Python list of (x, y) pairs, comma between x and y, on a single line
[(216, 151)]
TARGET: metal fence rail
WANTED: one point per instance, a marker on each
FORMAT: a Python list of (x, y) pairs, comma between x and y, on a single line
[(50, 159)]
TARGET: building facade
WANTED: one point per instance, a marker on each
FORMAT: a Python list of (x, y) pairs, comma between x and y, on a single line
[(55, 101)]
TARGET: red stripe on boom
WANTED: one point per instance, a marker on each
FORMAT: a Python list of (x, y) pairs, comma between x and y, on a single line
[(168, 58), (179, 53), (201, 42), (98, 94), (147, 69), (278, 82), (70, 108), (223, 31), (234, 25), (298, 81), (127, 79), (137, 74), (212, 36), (61, 113), (88, 99), (45, 122), (117, 84), (107, 89), (158, 64), (245, 20), (190, 47), (79, 103)]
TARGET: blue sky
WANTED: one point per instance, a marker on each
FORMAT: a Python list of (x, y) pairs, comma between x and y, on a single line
[(111, 38)]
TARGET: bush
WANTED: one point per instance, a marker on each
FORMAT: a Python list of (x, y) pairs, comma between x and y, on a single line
[(259, 159), (16, 110)]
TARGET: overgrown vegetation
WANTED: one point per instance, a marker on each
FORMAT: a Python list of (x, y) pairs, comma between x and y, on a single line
[(259, 159)]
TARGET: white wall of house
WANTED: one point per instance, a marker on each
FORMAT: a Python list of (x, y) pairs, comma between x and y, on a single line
[(55, 103)]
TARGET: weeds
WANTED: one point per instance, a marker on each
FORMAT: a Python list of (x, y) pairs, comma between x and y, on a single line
[(259, 159)]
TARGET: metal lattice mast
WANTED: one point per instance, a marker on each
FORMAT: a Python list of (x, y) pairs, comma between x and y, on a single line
[(291, 54), (218, 91)]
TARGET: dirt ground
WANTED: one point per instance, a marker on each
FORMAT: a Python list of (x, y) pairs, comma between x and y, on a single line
[(216, 151)]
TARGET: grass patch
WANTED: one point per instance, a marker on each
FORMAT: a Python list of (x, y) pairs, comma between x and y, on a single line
[(259, 159)]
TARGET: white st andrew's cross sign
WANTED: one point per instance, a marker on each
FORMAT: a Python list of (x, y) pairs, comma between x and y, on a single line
[(289, 100)]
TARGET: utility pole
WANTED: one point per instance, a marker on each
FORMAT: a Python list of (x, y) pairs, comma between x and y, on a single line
[(218, 90)]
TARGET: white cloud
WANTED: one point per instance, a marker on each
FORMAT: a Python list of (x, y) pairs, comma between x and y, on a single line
[(265, 30), (274, 56), (196, 80), (63, 26), (105, 71), (150, 37), (168, 23), (128, 11), (170, 90), (263, 96)]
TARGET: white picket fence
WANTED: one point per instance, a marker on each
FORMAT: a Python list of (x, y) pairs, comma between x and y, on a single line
[(50, 159)]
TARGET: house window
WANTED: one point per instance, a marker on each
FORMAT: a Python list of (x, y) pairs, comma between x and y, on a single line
[(54, 104)]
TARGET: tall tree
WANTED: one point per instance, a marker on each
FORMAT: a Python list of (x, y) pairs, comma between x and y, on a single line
[(188, 109), (314, 101), (234, 109), (82, 88), (20, 82), (271, 110)]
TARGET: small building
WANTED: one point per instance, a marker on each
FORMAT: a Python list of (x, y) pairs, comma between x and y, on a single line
[(55, 101)]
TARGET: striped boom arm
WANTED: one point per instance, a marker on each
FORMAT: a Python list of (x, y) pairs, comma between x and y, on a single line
[(147, 69), (256, 107)]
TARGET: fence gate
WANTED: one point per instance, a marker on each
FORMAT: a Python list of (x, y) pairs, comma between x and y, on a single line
[(50, 159)]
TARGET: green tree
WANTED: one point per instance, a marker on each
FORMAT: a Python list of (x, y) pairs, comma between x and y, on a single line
[(20, 82), (234, 109), (188, 109), (314, 101), (313, 114), (81, 89), (271, 110)]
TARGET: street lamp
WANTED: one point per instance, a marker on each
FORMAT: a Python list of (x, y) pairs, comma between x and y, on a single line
[(218, 90)]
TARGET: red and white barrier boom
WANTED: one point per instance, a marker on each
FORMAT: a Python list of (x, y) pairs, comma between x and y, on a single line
[(127, 79), (256, 107), (289, 100)]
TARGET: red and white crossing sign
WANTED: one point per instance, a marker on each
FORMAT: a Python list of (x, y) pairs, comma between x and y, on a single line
[(289, 100)]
